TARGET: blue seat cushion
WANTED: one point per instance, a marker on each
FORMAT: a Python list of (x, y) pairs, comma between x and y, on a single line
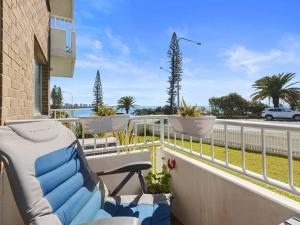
[(75, 198), (149, 209)]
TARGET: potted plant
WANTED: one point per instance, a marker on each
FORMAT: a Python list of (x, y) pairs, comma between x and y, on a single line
[(191, 121), (104, 121), (160, 183)]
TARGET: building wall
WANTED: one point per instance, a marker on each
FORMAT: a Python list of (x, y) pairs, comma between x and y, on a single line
[(25, 31), (204, 195)]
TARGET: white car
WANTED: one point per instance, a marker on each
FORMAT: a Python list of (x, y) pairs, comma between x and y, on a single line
[(280, 113)]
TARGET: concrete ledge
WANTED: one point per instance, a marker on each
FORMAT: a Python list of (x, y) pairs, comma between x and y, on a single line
[(206, 195)]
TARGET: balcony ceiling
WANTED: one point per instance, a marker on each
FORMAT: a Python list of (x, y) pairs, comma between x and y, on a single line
[(62, 8)]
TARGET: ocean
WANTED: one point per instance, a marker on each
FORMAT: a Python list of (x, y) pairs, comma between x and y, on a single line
[(89, 111)]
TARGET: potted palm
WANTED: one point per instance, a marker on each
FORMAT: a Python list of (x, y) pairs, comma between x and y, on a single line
[(191, 121)]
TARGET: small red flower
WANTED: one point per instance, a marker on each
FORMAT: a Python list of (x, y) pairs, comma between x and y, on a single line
[(171, 164)]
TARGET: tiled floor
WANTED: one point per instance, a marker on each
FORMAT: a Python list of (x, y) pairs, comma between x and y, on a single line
[(175, 221)]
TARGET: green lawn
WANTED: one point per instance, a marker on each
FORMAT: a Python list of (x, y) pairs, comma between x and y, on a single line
[(277, 167)]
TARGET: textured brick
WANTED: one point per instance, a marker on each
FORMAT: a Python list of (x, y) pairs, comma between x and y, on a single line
[(24, 22)]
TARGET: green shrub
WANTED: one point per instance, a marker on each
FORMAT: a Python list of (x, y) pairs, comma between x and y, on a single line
[(59, 115), (105, 111), (78, 133), (121, 135), (158, 183)]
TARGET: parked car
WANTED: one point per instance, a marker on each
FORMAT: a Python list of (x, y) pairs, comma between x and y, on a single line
[(280, 113)]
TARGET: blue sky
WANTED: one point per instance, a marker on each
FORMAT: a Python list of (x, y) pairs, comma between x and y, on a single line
[(127, 40)]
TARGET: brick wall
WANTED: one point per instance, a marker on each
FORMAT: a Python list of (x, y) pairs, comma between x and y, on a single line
[(24, 22)]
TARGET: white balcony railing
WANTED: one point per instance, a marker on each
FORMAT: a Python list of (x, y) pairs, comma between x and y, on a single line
[(260, 138)]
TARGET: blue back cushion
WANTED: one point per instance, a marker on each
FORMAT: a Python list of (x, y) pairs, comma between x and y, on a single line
[(67, 185)]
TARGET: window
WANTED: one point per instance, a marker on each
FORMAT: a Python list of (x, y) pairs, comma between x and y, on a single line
[(37, 88), (275, 110)]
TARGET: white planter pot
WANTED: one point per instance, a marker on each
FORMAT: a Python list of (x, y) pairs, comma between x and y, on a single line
[(104, 124), (194, 126)]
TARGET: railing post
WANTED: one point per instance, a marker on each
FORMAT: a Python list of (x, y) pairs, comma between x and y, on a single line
[(168, 132), (127, 139), (212, 146), (82, 134), (243, 148), (145, 131), (200, 147), (290, 159), (135, 132), (174, 139), (162, 133), (191, 144), (264, 154), (226, 144), (182, 142)]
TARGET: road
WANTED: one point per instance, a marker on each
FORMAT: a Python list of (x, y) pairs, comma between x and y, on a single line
[(275, 121)]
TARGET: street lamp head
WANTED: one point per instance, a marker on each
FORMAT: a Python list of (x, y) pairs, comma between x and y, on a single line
[(186, 39), (164, 69)]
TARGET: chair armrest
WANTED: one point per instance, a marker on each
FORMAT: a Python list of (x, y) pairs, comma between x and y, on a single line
[(292, 221), (114, 221), (132, 167)]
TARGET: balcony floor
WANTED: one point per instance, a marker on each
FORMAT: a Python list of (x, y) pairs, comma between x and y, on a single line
[(175, 221)]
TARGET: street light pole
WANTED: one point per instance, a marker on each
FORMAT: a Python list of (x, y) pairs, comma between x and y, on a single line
[(186, 39), (168, 72), (178, 87), (70, 93)]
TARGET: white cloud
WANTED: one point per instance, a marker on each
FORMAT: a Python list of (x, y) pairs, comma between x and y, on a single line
[(241, 58), (98, 44), (186, 60), (195, 71), (117, 42), (209, 87), (124, 77), (88, 41), (181, 31), (104, 6)]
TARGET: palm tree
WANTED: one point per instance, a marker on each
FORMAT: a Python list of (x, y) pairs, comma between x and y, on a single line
[(126, 102), (276, 87)]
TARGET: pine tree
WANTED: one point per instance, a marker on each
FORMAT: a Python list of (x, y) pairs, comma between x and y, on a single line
[(98, 94), (53, 97), (175, 57), (57, 98)]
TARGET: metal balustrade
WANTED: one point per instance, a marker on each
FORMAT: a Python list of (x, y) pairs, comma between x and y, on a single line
[(289, 133), (260, 137)]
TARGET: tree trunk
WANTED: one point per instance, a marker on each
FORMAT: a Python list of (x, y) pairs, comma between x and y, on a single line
[(276, 102)]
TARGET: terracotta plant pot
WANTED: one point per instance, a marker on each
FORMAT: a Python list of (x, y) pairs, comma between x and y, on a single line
[(104, 124), (193, 126)]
